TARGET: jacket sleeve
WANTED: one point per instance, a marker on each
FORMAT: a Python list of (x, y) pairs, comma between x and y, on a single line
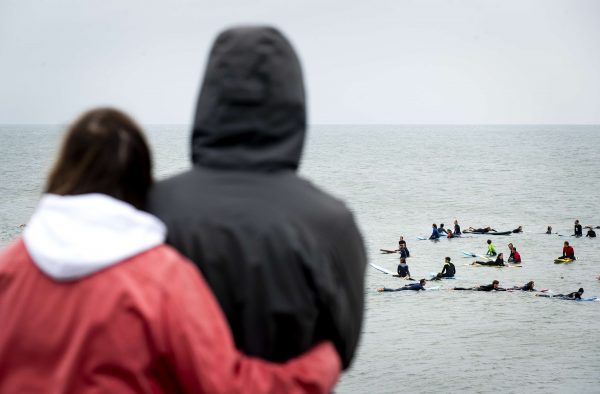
[(200, 346)]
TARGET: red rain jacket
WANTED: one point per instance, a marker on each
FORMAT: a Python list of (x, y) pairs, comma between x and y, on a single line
[(148, 324)]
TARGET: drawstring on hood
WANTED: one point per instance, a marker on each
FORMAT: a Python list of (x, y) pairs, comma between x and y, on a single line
[(69, 237), (251, 110)]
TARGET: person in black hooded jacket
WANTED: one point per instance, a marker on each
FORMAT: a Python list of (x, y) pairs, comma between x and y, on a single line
[(285, 260)]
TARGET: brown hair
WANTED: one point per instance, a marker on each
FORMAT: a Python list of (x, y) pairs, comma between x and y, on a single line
[(104, 151)]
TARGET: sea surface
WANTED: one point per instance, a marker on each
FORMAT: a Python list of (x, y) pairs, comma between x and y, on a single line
[(398, 180)]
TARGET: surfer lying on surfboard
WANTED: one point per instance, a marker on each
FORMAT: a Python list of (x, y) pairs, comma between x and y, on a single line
[(412, 286), (576, 295), (496, 263), (494, 286)]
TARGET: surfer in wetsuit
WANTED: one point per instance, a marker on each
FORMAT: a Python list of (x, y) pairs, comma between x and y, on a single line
[(591, 233), (491, 250), (518, 230), (401, 242), (483, 230), (499, 262), (412, 286), (568, 252), (578, 231), (442, 229), (403, 271), (449, 234), (515, 257), (403, 251), (456, 228), (527, 287), (494, 286), (449, 270), (576, 295), (434, 232), (549, 230)]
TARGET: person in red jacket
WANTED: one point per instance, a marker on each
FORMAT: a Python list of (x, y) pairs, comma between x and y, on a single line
[(92, 300), (568, 252), (515, 257)]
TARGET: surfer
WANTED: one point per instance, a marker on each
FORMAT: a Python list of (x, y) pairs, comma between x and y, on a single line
[(412, 286), (434, 232), (483, 230), (403, 251), (456, 228), (549, 230), (442, 229), (403, 271), (568, 252), (449, 234), (491, 250), (514, 257), (591, 233), (526, 287), (578, 231), (401, 242), (518, 230), (499, 262), (576, 295), (449, 270), (494, 286)]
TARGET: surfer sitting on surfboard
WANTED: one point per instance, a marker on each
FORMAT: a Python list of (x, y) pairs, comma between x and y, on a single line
[(412, 286), (434, 233), (456, 228), (449, 269), (499, 262), (514, 257), (403, 251), (491, 250), (568, 252), (402, 269)]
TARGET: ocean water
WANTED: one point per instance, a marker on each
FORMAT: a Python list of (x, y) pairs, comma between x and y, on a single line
[(398, 180)]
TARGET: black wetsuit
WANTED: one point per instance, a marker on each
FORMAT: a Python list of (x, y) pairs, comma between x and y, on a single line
[(496, 263), (412, 286), (442, 230), (404, 252), (578, 230), (489, 287), (571, 296), (456, 229), (591, 233), (517, 230), (449, 270), (403, 271), (524, 288)]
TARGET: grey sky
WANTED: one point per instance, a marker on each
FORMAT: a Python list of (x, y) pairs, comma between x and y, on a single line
[(396, 61)]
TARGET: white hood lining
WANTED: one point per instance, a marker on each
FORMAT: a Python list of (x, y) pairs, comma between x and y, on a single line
[(69, 237)]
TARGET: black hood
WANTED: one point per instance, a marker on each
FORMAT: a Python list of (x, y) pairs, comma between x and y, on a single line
[(251, 110)]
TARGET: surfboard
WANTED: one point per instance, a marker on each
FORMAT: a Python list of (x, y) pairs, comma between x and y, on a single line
[(384, 270), (434, 274), (471, 254), (388, 251), (563, 261)]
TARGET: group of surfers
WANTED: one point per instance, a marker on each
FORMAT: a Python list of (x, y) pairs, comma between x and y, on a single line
[(437, 232), (578, 230), (440, 231), (494, 286)]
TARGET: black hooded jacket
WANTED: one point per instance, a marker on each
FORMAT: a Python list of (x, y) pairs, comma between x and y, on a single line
[(285, 260)]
